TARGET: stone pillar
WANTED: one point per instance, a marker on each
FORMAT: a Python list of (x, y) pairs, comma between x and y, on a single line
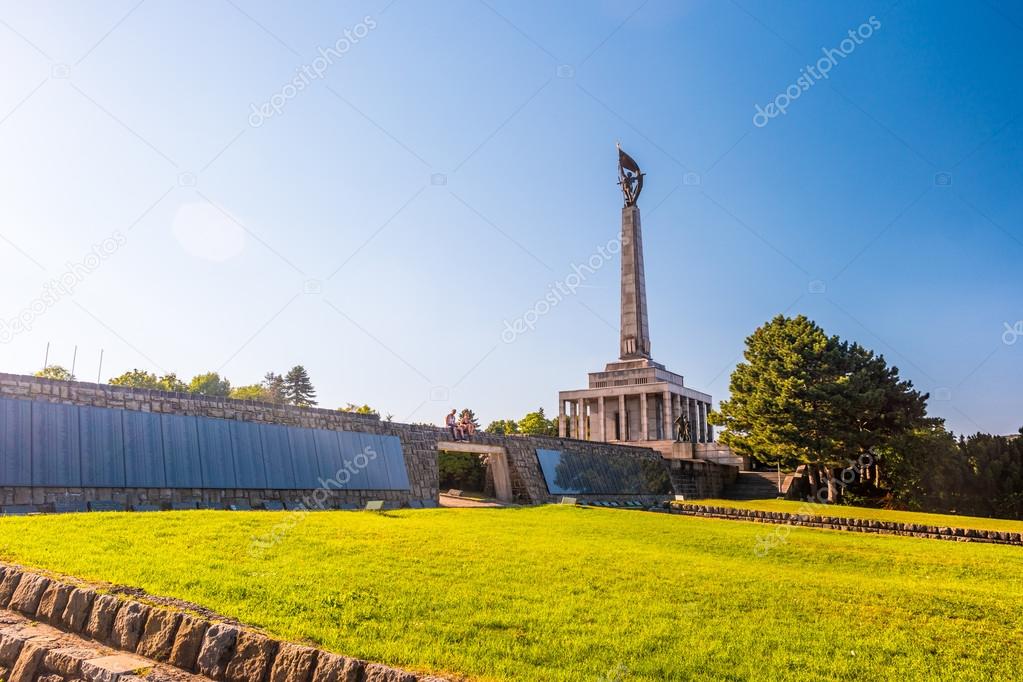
[(703, 422), (573, 420), (696, 421), (666, 416), (694, 425), (582, 419), (562, 425), (635, 330), (676, 410), (643, 422), (602, 429), (622, 421)]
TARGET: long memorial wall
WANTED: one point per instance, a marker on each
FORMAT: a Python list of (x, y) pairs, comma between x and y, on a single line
[(83, 442)]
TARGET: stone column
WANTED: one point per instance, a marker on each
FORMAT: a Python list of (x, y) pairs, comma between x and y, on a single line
[(562, 426), (676, 410), (573, 422), (643, 422), (696, 420), (694, 426), (622, 421), (666, 412), (602, 429), (582, 419), (635, 330), (703, 422)]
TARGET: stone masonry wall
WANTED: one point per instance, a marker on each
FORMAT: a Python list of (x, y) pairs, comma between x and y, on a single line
[(53, 630), (419, 444)]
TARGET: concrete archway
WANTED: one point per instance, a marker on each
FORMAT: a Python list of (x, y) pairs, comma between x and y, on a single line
[(498, 457)]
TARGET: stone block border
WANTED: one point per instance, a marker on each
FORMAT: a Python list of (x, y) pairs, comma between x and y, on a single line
[(850, 524), (196, 645)]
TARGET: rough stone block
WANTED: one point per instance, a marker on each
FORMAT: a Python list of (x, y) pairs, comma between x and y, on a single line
[(158, 635), (10, 648), (333, 668), (53, 602), (188, 642), (50, 678), (9, 579), (113, 668), (101, 619), (381, 673), (30, 590), (67, 661), (293, 664), (217, 650), (253, 655), (25, 668), (76, 613), (128, 626)]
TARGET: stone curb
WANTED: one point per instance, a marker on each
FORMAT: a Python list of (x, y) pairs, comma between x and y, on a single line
[(216, 650), (849, 524)]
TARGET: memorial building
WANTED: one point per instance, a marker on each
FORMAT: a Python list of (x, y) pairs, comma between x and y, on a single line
[(635, 399)]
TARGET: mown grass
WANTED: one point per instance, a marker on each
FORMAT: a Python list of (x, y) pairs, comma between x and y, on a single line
[(558, 593), (948, 520)]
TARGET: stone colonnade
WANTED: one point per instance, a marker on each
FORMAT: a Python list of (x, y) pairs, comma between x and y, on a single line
[(635, 417)]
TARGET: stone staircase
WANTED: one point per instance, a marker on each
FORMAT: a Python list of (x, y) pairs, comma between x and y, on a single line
[(755, 485)]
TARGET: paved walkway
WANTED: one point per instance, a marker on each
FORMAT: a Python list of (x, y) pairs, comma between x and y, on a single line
[(465, 502)]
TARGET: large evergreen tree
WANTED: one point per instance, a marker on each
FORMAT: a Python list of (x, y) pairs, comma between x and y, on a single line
[(298, 388), (802, 397)]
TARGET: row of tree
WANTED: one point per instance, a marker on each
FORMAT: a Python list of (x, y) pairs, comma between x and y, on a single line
[(533, 424), (293, 388)]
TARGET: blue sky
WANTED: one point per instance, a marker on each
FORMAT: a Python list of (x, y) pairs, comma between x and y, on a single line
[(453, 160)]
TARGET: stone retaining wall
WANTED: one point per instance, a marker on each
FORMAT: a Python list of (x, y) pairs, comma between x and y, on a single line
[(851, 524), (171, 637), (419, 444)]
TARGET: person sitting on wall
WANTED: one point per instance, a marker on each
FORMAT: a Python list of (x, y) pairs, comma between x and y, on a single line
[(453, 427), (467, 427)]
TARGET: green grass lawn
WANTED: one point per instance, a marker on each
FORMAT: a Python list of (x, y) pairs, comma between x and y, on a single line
[(564, 593), (794, 507)]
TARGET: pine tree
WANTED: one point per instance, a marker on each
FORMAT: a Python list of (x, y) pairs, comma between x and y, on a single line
[(298, 389)]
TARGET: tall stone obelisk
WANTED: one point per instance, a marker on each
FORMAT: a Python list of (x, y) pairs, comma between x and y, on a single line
[(635, 341)]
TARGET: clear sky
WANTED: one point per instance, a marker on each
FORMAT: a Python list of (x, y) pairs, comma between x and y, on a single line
[(218, 195)]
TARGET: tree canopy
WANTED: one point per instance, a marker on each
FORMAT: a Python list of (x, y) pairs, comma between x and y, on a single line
[(537, 424), (210, 383), (802, 396), (298, 387), (55, 372)]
